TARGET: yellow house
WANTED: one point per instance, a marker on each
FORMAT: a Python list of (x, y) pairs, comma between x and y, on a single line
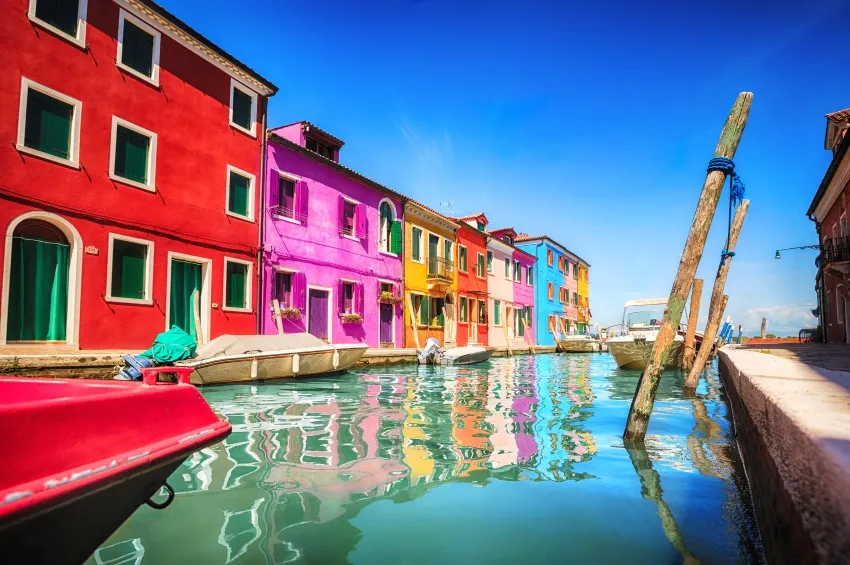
[(583, 280), (430, 278)]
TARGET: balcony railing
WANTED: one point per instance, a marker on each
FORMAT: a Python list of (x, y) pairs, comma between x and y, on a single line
[(440, 269), (835, 250)]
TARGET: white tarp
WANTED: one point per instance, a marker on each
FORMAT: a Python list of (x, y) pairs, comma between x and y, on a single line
[(646, 302)]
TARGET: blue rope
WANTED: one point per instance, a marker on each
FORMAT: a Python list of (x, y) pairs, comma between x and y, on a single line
[(736, 195)]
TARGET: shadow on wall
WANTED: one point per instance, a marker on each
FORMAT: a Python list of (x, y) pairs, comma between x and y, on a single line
[(354, 331)]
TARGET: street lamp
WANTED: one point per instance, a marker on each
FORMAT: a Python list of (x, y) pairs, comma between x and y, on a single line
[(778, 256)]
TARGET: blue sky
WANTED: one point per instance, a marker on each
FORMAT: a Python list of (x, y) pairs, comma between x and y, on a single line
[(590, 121)]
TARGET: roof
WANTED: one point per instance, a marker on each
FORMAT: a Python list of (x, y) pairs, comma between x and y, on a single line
[(472, 216), (525, 238), (440, 216), (185, 32), (830, 172), (839, 116), (502, 230), (309, 126), (351, 173)]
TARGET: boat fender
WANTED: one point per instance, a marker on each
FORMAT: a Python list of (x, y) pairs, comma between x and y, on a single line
[(296, 363), (254, 368), (167, 502), (335, 358)]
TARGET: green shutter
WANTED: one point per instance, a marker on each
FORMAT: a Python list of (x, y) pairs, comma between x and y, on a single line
[(395, 237), (497, 312), (425, 311), (241, 108), (131, 154), (61, 14), (186, 277), (128, 269), (415, 251), (239, 197), (439, 303), (48, 125), (137, 49), (507, 268), (237, 285)]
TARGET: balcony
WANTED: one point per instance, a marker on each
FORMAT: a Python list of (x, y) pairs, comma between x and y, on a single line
[(441, 270), (835, 250)]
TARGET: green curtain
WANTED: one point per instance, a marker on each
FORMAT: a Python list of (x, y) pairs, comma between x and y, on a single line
[(48, 126), (185, 279), (38, 293)]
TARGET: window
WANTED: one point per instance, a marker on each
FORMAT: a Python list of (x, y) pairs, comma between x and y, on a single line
[(448, 254), (529, 276), (322, 149), (390, 229), (551, 291), (138, 48), (507, 239), (551, 324), (562, 261), (416, 244), (489, 261), (517, 272), (437, 311), (561, 294), (839, 305), (497, 312), (550, 257), (482, 312), (237, 285), (479, 265), (130, 265), (67, 18), (518, 318), (575, 270), (348, 210), (462, 307), (421, 306), (243, 108), (132, 159), (461, 258), (286, 197), (347, 306), (283, 288), (575, 298), (481, 226), (843, 222), (240, 194), (49, 124), (507, 268)]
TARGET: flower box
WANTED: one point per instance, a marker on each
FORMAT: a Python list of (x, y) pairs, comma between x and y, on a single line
[(290, 313), (387, 297), (351, 318)]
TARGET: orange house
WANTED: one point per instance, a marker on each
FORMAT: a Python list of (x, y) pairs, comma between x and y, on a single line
[(472, 280)]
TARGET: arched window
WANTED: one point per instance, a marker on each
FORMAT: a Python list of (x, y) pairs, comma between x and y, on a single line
[(387, 218)]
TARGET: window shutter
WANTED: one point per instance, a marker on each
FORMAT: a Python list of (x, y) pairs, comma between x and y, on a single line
[(340, 294), (302, 197), (299, 291), (359, 299), (425, 312), (361, 222), (341, 214), (395, 237), (416, 253)]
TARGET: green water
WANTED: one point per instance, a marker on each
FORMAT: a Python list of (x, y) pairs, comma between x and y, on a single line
[(512, 461)]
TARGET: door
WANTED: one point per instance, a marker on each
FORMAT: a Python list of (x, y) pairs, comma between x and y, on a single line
[(509, 322), (433, 254), (386, 329), (318, 305), (186, 278), (38, 283)]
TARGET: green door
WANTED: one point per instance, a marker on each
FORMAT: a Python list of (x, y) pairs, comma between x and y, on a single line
[(433, 253), (38, 290), (186, 277)]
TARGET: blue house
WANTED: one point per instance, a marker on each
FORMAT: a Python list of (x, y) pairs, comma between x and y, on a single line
[(555, 287)]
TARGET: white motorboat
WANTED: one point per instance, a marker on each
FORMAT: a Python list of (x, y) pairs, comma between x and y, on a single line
[(638, 332), (579, 343), (245, 358), (433, 353)]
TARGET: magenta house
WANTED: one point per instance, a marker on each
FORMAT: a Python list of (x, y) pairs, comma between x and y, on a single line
[(332, 247)]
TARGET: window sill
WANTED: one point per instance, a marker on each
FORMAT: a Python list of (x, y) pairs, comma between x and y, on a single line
[(76, 41), (239, 216), (388, 254), (47, 156), (286, 219), (418, 262), (252, 133), (132, 183), (136, 74), (240, 310), (351, 237), (136, 301)]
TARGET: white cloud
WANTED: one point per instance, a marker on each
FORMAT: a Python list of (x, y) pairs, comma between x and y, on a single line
[(782, 318)]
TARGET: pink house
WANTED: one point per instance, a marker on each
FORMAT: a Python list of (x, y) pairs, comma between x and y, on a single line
[(331, 243)]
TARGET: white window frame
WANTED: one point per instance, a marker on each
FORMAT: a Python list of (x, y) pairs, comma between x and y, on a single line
[(529, 275), (205, 297), (248, 306), (413, 314), (151, 184), (74, 161), (354, 226), (278, 269), (124, 16), (489, 262), (80, 39), (148, 299), (252, 187), (483, 275), (293, 179), (252, 131), (550, 295), (421, 259), (459, 247), (384, 245), (509, 265), (497, 307), (459, 310)]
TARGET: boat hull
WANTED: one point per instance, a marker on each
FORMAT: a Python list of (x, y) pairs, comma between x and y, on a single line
[(465, 355), (568, 345), (635, 354)]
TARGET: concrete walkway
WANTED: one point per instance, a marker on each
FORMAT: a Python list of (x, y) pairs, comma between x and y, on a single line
[(833, 356)]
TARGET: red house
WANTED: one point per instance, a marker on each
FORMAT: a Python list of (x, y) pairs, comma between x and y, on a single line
[(472, 280), (829, 210), (128, 176)]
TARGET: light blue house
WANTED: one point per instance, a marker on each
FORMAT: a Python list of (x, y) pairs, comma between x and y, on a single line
[(555, 287)]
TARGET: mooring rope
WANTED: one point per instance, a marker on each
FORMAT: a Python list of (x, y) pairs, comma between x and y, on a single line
[(736, 195)]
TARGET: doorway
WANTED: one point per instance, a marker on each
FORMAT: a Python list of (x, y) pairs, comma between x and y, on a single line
[(386, 329), (317, 308), (186, 278)]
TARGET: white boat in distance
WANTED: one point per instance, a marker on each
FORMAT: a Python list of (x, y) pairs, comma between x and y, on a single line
[(632, 349), (245, 358), (579, 343), (433, 353)]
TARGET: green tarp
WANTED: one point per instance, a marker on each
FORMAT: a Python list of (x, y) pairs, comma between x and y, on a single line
[(171, 346)]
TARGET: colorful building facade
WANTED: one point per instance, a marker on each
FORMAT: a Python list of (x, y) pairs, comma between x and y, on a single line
[(511, 288), (128, 179), (430, 277), (582, 299), (332, 253), (472, 281)]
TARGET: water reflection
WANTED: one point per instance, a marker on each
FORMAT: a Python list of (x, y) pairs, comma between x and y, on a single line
[(307, 458)]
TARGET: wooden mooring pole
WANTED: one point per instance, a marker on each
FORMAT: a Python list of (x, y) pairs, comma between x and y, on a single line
[(715, 318), (693, 315), (717, 293), (644, 398), (763, 328)]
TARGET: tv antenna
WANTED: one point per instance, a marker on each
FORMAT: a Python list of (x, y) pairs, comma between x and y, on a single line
[(447, 208)]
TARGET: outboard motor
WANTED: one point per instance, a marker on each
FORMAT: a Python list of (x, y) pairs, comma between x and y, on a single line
[(431, 352)]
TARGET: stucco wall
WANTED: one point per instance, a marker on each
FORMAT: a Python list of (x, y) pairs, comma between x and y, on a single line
[(469, 284), (500, 288), (319, 250), (834, 318)]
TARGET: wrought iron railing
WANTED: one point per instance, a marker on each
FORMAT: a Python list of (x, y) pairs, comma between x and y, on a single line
[(440, 268), (835, 250)]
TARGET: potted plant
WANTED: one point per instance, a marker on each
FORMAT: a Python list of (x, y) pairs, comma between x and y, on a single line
[(290, 313), (387, 297), (351, 318)]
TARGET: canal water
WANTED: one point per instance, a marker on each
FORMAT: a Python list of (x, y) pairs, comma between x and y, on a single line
[(512, 461)]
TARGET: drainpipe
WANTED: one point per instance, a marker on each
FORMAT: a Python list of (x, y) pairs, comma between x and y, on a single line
[(263, 180), (536, 290), (822, 298)]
